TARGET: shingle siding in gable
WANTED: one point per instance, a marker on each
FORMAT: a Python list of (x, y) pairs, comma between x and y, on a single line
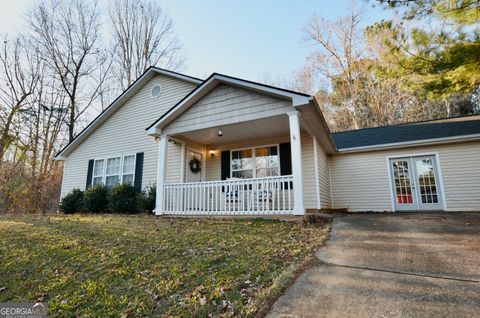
[(124, 133), (226, 105)]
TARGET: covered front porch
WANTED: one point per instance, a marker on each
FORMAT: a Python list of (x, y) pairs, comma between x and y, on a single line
[(234, 147), (248, 168)]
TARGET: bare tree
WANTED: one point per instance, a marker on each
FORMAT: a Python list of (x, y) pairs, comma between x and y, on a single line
[(143, 36), (20, 68), (68, 32), (338, 47)]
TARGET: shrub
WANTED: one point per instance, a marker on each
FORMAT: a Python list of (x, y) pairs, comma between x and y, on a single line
[(149, 198), (95, 199), (124, 199), (72, 202)]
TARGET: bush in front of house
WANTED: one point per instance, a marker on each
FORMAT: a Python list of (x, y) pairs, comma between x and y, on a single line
[(72, 202), (95, 199), (149, 198), (123, 198)]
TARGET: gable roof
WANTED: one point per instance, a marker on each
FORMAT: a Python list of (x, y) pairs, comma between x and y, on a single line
[(107, 112), (210, 83), (411, 133)]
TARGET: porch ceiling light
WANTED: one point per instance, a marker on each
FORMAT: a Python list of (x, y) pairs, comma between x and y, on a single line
[(220, 132)]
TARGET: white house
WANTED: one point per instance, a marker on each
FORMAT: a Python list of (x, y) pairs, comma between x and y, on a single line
[(225, 145)]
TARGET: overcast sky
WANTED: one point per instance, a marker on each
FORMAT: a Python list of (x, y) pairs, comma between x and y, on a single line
[(248, 38)]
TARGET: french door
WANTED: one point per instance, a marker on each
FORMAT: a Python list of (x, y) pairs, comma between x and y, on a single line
[(415, 183)]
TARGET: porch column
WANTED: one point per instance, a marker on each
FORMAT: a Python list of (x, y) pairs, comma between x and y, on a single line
[(295, 144), (161, 173)]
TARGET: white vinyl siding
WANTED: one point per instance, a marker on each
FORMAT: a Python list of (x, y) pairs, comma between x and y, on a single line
[(228, 105), (124, 132), (213, 166), (308, 168), (174, 163), (360, 181), (323, 168)]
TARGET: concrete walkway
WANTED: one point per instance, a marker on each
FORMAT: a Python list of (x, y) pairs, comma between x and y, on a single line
[(392, 265)]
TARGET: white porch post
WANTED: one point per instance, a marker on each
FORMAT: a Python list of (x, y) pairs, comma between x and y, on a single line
[(295, 144), (161, 173)]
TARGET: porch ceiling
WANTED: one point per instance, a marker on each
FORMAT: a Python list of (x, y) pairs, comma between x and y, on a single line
[(265, 128)]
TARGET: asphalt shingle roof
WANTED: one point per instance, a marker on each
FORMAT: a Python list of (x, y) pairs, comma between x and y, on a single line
[(405, 133)]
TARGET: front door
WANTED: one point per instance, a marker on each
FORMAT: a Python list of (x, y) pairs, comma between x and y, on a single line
[(415, 183), (194, 166)]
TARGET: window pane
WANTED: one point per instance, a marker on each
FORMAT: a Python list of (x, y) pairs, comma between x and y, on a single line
[(97, 180), (246, 174), (274, 161), (266, 157), (98, 168), (113, 166), (426, 181), (262, 152), (261, 162), (273, 151), (269, 172), (112, 180), (242, 159), (128, 178), (128, 164)]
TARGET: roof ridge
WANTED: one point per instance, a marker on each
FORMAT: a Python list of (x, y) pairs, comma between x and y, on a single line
[(177, 73), (262, 84), (428, 121)]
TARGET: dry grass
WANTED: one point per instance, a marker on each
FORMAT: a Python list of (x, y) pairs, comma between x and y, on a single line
[(112, 265)]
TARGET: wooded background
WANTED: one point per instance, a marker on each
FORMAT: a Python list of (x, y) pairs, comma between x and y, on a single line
[(424, 66)]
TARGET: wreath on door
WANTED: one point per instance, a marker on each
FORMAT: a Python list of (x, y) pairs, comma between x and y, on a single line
[(195, 165)]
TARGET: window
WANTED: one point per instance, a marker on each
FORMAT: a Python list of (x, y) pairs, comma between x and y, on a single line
[(113, 170), (242, 164), (98, 172), (256, 162), (112, 175), (128, 169), (267, 162), (156, 91)]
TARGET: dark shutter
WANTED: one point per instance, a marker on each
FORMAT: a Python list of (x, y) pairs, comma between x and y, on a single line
[(138, 172), (285, 159), (225, 164), (89, 173)]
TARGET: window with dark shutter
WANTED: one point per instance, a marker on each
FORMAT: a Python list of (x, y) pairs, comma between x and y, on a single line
[(89, 173)]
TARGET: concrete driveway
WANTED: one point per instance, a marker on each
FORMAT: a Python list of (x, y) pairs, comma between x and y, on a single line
[(392, 265)]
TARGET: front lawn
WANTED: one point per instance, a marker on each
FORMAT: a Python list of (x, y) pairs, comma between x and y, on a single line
[(114, 265)]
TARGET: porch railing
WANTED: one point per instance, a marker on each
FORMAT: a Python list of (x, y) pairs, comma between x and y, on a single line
[(271, 195)]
